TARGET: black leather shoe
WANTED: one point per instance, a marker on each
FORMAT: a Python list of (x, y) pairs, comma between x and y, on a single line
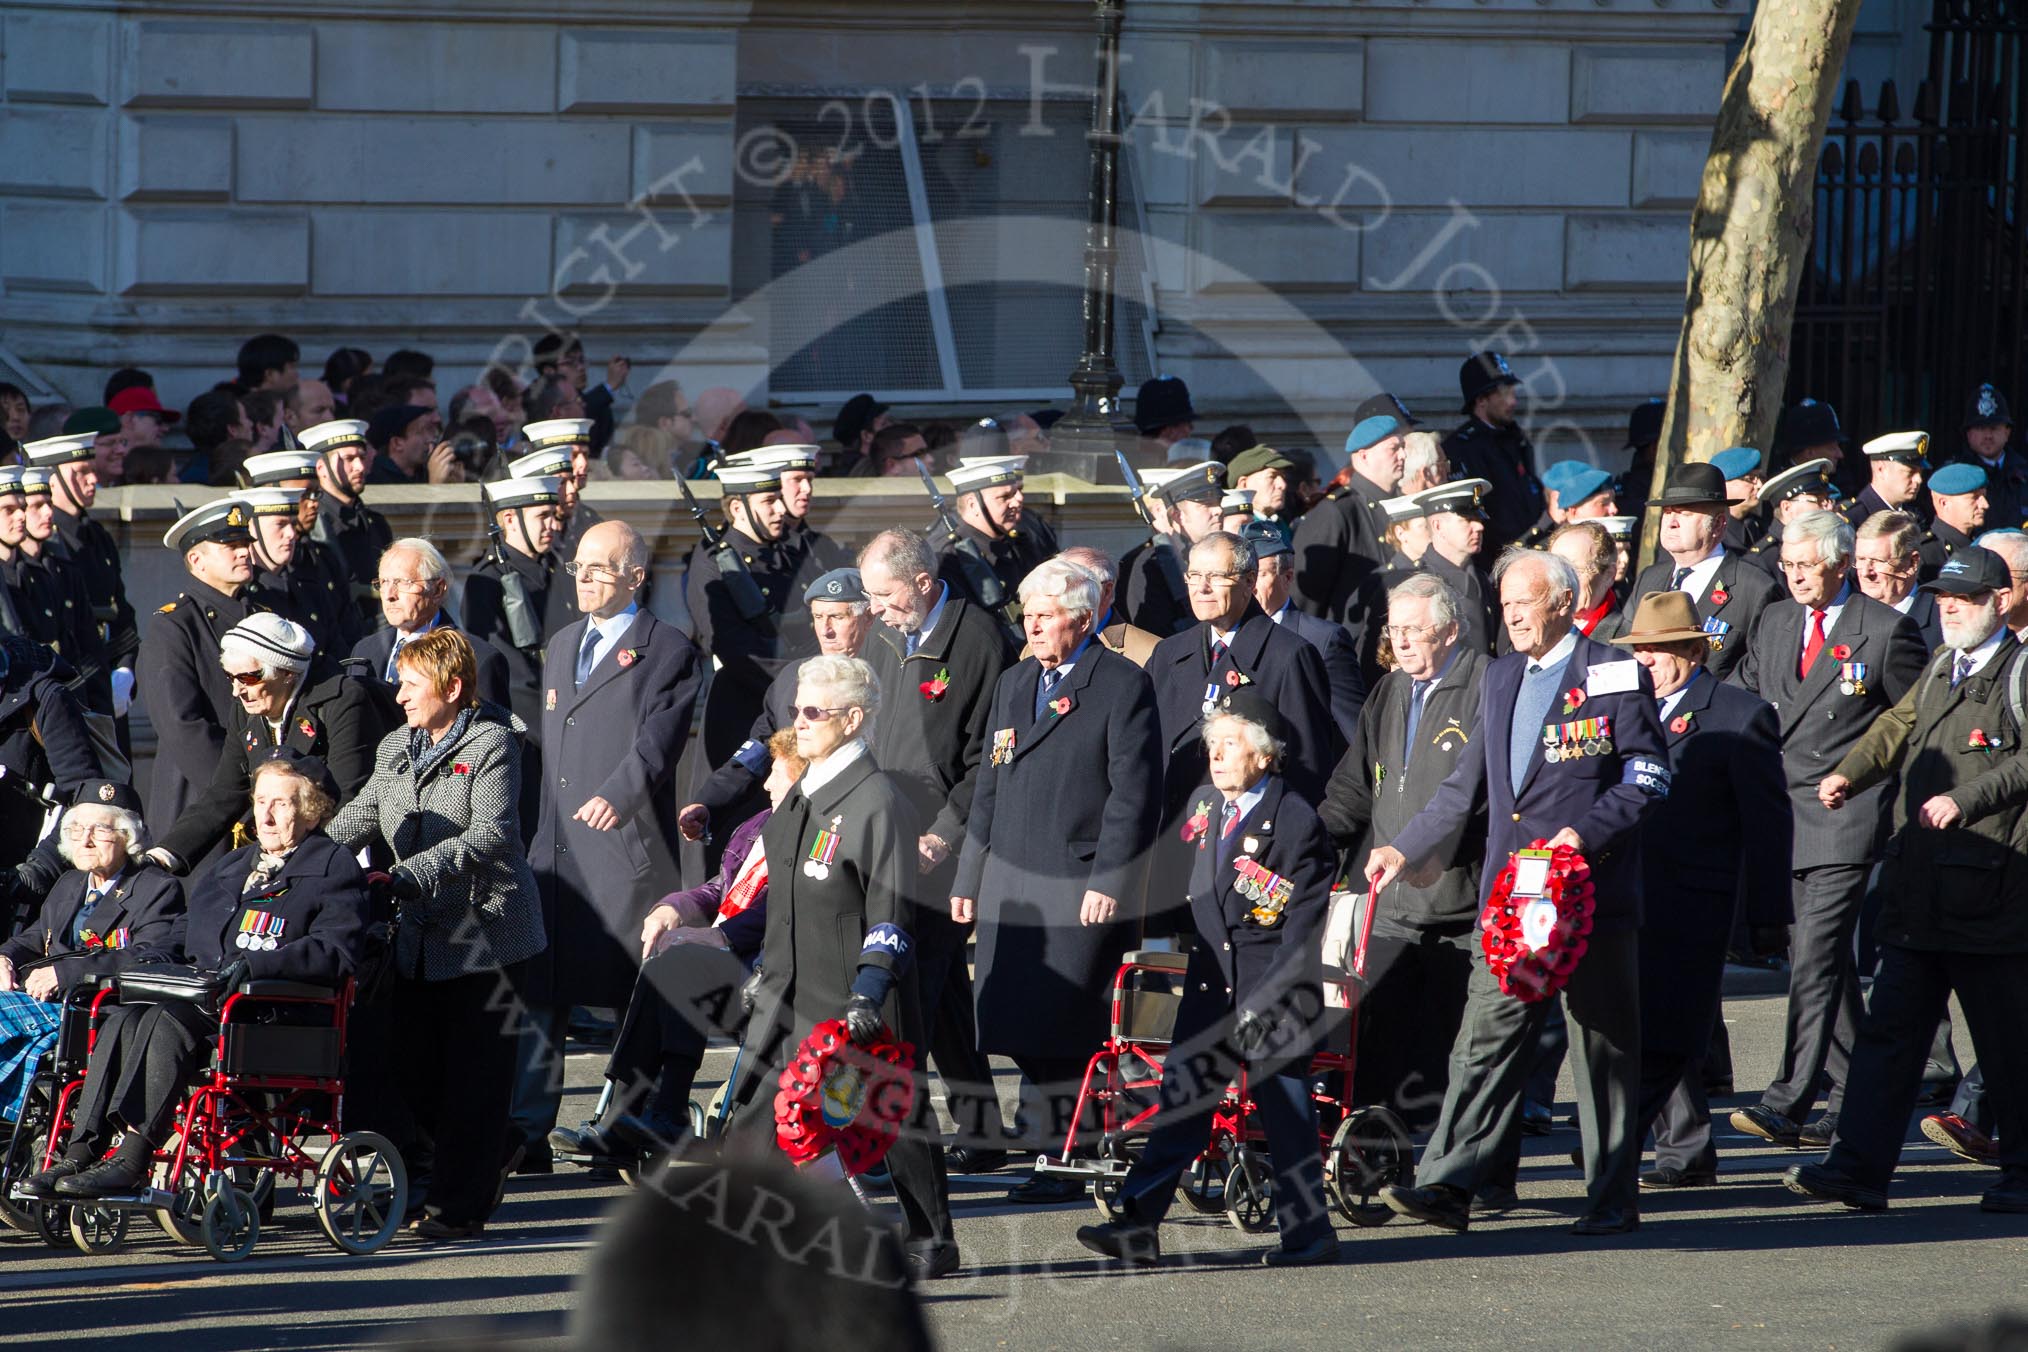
[(1769, 1125), (1817, 1135), (1669, 1176), (437, 1230), (108, 1178), (1828, 1185), (973, 1159), (630, 1135), (1134, 1245), (536, 1158), (1445, 1208), (571, 1140), (1317, 1253), (1611, 1221), (932, 1261), (1537, 1120), (2009, 1198), (1047, 1190), (1495, 1199), (43, 1185), (1936, 1094)]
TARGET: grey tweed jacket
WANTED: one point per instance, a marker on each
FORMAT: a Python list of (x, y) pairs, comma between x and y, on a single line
[(457, 834)]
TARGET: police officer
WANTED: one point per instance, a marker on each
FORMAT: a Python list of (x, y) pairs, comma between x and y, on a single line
[(1961, 509), (311, 575), (344, 522), (1188, 496), (560, 448), (287, 694), (1795, 492), (1729, 592), (1898, 462), (1810, 430), (1988, 430), (188, 695), (749, 649), (1644, 435), (88, 547), (1953, 919), (1423, 943), (507, 594), (1490, 445), (992, 520)]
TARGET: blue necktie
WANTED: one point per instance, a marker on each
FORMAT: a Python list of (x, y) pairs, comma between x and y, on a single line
[(914, 642), (1416, 695), (1043, 688), (586, 653), (399, 643), (84, 913)]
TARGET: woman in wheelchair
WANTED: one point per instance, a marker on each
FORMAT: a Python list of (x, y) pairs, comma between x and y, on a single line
[(698, 946), (290, 907), (112, 908)]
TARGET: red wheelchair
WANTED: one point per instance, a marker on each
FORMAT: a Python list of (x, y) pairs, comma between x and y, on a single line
[(273, 1087), (1364, 1149)]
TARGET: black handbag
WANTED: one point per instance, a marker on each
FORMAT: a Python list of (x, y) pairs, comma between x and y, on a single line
[(170, 983)]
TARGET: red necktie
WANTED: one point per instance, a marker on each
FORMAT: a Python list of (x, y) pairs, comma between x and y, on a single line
[(1815, 644)]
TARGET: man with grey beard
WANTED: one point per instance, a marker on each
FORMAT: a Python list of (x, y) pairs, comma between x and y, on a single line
[(1954, 915)]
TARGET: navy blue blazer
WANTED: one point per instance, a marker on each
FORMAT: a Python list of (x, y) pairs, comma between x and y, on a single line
[(1259, 964), (1341, 665), (314, 910), (1603, 797)]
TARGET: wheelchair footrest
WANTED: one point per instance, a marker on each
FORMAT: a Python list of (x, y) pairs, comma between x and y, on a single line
[(142, 1199), (1082, 1168)]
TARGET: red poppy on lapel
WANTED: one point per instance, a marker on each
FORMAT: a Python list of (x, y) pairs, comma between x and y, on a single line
[(308, 728), (933, 689), (1059, 706), (1719, 596), (460, 768), (1236, 679), (1840, 653), (626, 657), (1572, 698), (1680, 724), (1978, 738)]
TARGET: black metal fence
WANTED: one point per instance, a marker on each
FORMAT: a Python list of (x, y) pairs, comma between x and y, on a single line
[(1914, 291)]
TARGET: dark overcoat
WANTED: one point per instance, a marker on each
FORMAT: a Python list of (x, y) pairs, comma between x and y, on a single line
[(617, 737), (314, 909), (1065, 803), (1730, 605), (496, 684), (136, 921), (187, 695), (749, 653), (1341, 665)]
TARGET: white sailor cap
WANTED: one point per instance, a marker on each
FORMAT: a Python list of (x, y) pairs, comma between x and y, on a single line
[(10, 481), (335, 435), (1409, 508), (532, 490), (1461, 496), (1908, 447), (974, 472), (565, 432), (35, 481), (223, 520), (274, 467), (1236, 500), (269, 501), (742, 478), (1808, 477), (1619, 527), (778, 457), (61, 450), (1203, 482), (551, 460)]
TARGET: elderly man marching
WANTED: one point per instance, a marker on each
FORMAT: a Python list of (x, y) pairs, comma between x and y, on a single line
[(1259, 891), (1954, 915)]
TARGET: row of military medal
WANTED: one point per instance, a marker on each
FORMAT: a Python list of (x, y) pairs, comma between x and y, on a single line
[(1581, 737)]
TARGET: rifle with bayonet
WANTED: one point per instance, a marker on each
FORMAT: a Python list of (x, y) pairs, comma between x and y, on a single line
[(748, 600), (973, 565), (1168, 559)]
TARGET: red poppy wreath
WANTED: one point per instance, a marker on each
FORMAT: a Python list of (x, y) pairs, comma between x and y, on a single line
[(835, 1096), (1532, 944)]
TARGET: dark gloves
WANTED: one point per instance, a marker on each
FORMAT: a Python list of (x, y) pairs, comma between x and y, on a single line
[(749, 991), (862, 1020), (229, 977), (404, 887), (1250, 1033)]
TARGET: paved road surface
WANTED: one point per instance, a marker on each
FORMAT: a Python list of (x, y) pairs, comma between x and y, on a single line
[(1742, 1265)]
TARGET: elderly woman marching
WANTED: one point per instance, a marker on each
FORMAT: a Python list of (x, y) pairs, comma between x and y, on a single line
[(111, 908), (841, 869), (443, 797), (1259, 892)]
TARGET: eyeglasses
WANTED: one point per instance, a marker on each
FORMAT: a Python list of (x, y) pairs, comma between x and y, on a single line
[(1398, 632), (82, 831), (401, 586), (592, 572), (1197, 579), (247, 678), (811, 713)]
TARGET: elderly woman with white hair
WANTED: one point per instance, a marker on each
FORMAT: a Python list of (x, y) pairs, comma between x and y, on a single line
[(1062, 821), (841, 935), (288, 696), (111, 908)]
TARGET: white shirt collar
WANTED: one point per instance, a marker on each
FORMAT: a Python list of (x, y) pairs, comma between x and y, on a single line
[(1701, 572), (1249, 800), (833, 765), (936, 612), (1983, 654), (1558, 655)]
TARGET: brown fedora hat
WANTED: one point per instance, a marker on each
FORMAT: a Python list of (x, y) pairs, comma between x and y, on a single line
[(1663, 617)]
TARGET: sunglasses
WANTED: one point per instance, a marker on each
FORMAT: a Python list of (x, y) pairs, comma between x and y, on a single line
[(247, 678), (812, 714)]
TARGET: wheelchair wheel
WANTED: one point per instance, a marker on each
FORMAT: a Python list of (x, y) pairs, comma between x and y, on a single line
[(1204, 1181), (1250, 1194), (362, 1192), (97, 1230), (1370, 1151), (232, 1224), (183, 1219), (23, 1157)]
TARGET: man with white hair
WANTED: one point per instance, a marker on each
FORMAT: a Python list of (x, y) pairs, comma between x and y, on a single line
[(287, 695), (1729, 592), (1566, 748), (1062, 819), (2011, 545), (1831, 660), (177, 675), (414, 583), (1954, 913)]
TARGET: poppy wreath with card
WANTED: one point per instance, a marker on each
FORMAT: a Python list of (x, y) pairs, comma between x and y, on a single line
[(836, 1096), (1533, 945)]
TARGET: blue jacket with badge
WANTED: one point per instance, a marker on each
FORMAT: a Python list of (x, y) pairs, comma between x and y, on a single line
[(307, 923), (1260, 903), (1602, 793)]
